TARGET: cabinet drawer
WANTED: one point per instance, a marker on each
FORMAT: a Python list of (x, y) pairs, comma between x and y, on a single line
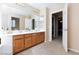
[(27, 35), (18, 36)]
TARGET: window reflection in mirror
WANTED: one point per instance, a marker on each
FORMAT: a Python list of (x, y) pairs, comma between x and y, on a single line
[(15, 23)]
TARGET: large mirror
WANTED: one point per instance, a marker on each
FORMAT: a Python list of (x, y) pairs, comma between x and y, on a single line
[(23, 23), (20, 18)]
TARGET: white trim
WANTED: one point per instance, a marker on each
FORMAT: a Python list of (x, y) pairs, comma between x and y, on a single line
[(49, 40), (50, 16), (56, 11), (45, 40), (74, 50)]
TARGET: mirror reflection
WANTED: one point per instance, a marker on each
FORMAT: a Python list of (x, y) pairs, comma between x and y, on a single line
[(17, 17), (15, 23)]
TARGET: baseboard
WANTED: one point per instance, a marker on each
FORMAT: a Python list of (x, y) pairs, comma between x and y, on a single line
[(74, 50), (45, 40)]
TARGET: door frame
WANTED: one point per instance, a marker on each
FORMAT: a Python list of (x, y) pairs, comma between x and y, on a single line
[(50, 31), (50, 16)]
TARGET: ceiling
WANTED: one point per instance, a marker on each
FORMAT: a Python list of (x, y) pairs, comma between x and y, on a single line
[(47, 5)]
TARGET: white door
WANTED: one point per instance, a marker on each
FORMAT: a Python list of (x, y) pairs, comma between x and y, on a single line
[(65, 28)]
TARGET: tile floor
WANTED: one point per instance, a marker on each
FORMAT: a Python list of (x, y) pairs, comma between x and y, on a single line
[(47, 48)]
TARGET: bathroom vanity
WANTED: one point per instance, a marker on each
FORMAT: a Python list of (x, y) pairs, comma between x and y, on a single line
[(22, 28), (16, 42)]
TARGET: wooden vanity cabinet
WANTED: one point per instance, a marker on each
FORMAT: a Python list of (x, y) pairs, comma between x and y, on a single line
[(18, 43), (21, 42), (27, 41)]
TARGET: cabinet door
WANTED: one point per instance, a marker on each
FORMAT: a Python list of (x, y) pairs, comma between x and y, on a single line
[(28, 42), (34, 38), (38, 37), (18, 45), (41, 37)]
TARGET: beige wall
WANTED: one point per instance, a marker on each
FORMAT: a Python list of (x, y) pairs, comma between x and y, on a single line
[(73, 33), (47, 24)]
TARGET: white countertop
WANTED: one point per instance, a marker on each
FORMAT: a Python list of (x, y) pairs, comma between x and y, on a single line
[(18, 32)]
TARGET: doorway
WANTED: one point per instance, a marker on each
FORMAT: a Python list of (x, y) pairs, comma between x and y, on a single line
[(57, 24), (65, 26)]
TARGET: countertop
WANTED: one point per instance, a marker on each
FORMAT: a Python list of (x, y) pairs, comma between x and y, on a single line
[(19, 32)]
